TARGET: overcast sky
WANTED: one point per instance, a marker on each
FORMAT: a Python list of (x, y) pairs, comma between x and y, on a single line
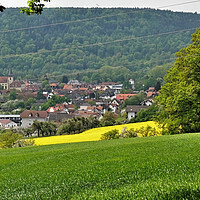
[(189, 6)]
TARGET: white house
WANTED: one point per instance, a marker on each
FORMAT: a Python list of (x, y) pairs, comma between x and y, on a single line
[(132, 111), (29, 116), (6, 124)]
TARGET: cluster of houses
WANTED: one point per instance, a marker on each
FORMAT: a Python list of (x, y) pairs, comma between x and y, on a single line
[(86, 99)]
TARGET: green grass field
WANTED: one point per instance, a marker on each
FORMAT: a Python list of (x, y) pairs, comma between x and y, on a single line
[(163, 167)]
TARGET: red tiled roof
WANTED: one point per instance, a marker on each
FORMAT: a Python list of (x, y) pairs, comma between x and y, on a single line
[(16, 84), (33, 114), (123, 96), (31, 87), (67, 87), (90, 108), (99, 108), (83, 89), (53, 84), (151, 88), (3, 79), (5, 121)]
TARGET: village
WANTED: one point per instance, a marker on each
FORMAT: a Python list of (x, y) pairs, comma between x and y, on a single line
[(80, 100)]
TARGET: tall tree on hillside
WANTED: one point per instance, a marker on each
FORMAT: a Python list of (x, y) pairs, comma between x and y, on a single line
[(64, 79), (179, 99)]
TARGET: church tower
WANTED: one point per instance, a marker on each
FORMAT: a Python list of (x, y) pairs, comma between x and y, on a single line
[(10, 76)]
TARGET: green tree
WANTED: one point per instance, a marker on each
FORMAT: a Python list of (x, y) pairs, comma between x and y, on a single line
[(108, 119), (135, 100), (179, 99), (53, 101), (12, 95), (8, 139), (64, 79), (45, 83), (145, 114), (113, 134), (29, 102), (126, 85), (34, 7), (40, 95), (37, 126), (20, 104)]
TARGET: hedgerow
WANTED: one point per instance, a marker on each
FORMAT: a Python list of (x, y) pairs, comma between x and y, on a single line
[(129, 133)]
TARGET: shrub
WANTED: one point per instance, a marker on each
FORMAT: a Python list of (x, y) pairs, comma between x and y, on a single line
[(113, 134), (147, 131), (128, 133), (125, 133), (10, 140)]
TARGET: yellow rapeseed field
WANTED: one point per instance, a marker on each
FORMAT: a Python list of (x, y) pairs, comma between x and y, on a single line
[(89, 135)]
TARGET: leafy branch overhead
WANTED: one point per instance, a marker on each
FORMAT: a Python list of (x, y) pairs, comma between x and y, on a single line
[(2, 8), (34, 7)]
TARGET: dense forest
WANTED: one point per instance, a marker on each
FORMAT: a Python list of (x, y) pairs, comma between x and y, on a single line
[(94, 44)]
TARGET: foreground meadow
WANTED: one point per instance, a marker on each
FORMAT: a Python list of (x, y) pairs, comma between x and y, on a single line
[(89, 135), (165, 167)]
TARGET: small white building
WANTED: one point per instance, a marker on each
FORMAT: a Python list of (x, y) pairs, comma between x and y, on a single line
[(6, 124), (132, 82), (133, 111), (147, 102)]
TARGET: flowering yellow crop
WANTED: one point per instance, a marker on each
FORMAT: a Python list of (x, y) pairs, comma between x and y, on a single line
[(89, 135)]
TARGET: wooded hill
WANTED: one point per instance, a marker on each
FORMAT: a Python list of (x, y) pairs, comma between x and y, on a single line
[(94, 44)]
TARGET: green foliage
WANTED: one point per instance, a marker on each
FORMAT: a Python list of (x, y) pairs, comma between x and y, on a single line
[(113, 134), (34, 7), (145, 114), (20, 104), (40, 95), (61, 85), (53, 101), (64, 79), (46, 86), (126, 86), (92, 103), (125, 133), (12, 95), (115, 61), (130, 133), (149, 168), (29, 102), (77, 125), (10, 139), (2, 8), (135, 100), (147, 131), (42, 128), (179, 102), (108, 119)]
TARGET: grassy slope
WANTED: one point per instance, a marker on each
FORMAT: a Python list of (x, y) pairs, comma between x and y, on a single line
[(165, 167), (90, 135)]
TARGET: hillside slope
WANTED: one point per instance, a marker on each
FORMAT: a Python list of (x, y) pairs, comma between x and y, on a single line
[(163, 167), (66, 40)]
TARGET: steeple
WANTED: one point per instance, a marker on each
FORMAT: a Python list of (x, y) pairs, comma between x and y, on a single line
[(10, 74)]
